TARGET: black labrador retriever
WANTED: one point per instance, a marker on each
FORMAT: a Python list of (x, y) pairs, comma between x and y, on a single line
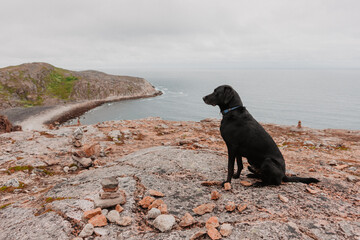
[(245, 137)]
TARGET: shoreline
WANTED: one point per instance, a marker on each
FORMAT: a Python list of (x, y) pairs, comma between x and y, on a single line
[(41, 117)]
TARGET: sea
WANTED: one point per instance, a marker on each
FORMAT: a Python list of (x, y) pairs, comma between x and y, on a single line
[(319, 98)]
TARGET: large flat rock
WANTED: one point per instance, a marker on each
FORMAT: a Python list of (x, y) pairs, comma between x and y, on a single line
[(178, 174)]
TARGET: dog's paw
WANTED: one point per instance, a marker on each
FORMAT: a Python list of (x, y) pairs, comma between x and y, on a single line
[(236, 175), (252, 175), (223, 183), (258, 184)]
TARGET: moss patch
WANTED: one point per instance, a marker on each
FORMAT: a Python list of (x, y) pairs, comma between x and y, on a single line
[(61, 84)]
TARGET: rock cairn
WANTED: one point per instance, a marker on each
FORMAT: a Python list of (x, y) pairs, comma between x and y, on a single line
[(110, 195)]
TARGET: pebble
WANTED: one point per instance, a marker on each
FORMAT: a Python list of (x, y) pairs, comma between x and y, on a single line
[(198, 235), (124, 221), (156, 203), (164, 222), (351, 178), (245, 183), (73, 168), (113, 216), (92, 213), (230, 206), (212, 222), (104, 211), (78, 133), (12, 183), (87, 230), (146, 201), (283, 198), (242, 207), (187, 220), (66, 169), (101, 231), (98, 221), (119, 208), (215, 195), (226, 230), (85, 162), (156, 193), (204, 208), (163, 208), (153, 213), (213, 233)]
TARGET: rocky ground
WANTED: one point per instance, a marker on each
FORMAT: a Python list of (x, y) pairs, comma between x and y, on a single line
[(49, 180)]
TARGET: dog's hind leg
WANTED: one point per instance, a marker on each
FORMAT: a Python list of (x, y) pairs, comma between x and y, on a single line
[(253, 174), (239, 166), (271, 173)]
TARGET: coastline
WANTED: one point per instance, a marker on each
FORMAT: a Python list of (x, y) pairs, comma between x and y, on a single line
[(37, 118)]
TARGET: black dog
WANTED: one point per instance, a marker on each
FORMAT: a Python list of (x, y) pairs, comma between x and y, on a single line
[(245, 137)]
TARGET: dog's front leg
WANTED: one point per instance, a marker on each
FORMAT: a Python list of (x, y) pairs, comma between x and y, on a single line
[(231, 163), (239, 166)]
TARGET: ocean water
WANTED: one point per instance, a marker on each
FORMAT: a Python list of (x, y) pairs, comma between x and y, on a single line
[(319, 98)]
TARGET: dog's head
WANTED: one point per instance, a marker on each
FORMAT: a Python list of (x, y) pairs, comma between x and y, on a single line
[(223, 96)]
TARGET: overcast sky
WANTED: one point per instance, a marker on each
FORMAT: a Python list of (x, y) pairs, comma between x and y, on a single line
[(91, 34)]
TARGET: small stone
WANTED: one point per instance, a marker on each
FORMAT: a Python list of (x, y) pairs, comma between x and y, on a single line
[(198, 235), (333, 163), (73, 168), (204, 208), (312, 191), (227, 186), (230, 206), (98, 221), (104, 211), (164, 222), (245, 183), (212, 222), (215, 195), (110, 189), (91, 213), (109, 195), (106, 203), (124, 221), (66, 169), (213, 233), (101, 231), (156, 193), (156, 203), (283, 198), (84, 162), (77, 143), (78, 133), (153, 213), (146, 201), (187, 220), (351, 178), (163, 208), (241, 207), (87, 231), (91, 150), (110, 182), (119, 208), (113, 216), (12, 183), (226, 230), (341, 167)]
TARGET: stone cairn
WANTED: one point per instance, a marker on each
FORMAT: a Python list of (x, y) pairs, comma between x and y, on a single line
[(110, 195)]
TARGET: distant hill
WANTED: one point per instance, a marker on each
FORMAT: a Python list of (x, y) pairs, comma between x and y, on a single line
[(34, 84)]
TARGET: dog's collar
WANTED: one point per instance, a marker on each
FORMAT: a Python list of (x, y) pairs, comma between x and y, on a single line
[(230, 109)]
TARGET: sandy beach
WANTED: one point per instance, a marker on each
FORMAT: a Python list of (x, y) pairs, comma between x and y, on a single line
[(39, 117)]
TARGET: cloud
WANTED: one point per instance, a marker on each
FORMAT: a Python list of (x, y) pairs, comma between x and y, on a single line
[(85, 34)]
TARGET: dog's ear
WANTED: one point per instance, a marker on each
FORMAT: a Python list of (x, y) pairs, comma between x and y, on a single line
[(228, 94)]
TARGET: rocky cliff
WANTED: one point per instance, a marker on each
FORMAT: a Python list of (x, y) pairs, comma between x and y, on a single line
[(51, 182), (34, 84)]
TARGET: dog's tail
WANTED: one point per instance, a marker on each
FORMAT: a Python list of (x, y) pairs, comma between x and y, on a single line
[(300, 179)]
